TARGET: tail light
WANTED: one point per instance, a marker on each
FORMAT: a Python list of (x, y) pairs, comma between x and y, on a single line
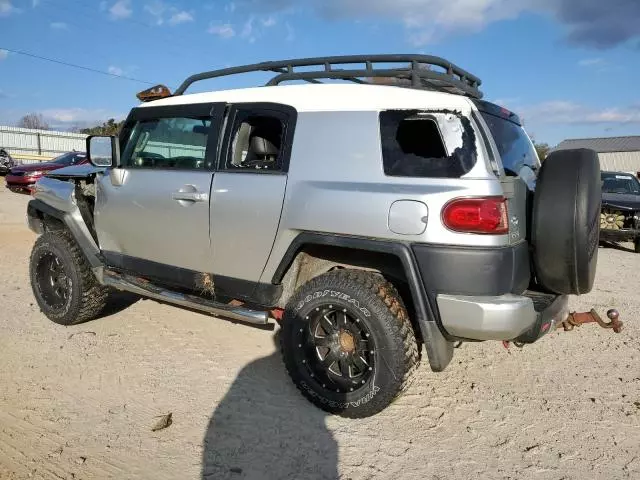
[(477, 215)]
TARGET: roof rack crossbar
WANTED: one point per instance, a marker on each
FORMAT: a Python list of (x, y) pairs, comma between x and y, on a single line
[(418, 79), (418, 69)]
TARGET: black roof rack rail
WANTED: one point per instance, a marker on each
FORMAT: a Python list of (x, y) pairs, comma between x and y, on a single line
[(417, 72)]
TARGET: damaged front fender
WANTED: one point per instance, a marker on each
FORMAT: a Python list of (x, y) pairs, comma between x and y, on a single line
[(58, 199)]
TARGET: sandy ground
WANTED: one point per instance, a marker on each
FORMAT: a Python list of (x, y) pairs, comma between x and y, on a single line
[(79, 402)]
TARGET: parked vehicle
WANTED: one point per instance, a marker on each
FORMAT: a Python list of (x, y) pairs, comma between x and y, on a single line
[(620, 217), (22, 178), (369, 220), (6, 162)]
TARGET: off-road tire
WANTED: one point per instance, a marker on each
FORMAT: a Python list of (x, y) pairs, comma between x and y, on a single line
[(636, 245), (368, 298), (86, 298)]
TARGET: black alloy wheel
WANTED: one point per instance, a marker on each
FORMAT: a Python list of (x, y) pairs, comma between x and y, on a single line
[(53, 282), (339, 349)]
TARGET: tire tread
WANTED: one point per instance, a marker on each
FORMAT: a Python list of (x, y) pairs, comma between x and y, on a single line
[(93, 295)]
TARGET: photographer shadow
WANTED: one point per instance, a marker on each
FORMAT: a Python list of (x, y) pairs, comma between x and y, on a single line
[(264, 429)]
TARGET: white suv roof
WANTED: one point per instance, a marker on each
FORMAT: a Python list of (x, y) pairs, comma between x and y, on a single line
[(329, 97)]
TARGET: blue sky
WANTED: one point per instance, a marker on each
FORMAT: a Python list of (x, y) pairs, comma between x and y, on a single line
[(570, 68)]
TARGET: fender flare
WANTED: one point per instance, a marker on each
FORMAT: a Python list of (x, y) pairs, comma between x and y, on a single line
[(439, 349), (73, 221)]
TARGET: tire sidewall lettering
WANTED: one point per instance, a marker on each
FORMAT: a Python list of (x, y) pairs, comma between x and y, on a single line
[(341, 405), (333, 294)]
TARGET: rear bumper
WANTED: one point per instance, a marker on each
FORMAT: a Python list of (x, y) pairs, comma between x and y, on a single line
[(619, 235), (525, 318)]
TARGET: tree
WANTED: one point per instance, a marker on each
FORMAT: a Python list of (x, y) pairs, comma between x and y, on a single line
[(542, 149), (33, 120), (110, 127)]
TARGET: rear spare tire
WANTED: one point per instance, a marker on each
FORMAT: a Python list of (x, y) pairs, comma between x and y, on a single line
[(566, 221)]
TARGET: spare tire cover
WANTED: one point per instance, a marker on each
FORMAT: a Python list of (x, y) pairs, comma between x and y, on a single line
[(566, 221)]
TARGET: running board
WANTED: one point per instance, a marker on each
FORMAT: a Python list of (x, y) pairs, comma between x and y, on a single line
[(145, 288)]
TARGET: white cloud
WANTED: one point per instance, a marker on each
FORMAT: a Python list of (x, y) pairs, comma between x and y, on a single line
[(58, 25), (567, 112), (156, 9), (163, 13), (63, 118), (180, 17), (222, 31), (3, 54), (7, 8), (593, 23), (591, 62), (113, 70), (291, 33), (121, 9), (269, 22), (247, 29)]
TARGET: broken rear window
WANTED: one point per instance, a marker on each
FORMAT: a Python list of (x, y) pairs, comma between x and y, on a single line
[(426, 144)]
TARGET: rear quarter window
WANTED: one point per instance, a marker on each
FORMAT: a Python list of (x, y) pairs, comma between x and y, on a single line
[(426, 144)]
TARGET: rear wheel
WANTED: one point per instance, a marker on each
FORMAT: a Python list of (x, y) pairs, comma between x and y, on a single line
[(63, 284), (348, 344)]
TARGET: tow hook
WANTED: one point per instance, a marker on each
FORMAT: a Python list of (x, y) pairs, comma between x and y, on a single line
[(576, 319)]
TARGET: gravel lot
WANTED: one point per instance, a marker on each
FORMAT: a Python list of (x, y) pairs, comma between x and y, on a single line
[(80, 402)]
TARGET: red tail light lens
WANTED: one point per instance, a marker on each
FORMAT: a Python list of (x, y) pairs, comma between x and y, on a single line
[(477, 215)]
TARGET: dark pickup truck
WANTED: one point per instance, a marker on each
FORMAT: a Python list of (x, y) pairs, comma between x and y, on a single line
[(620, 216)]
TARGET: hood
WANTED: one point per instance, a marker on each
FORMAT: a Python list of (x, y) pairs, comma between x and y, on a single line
[(624, 201), (32, 167), (77, 171)]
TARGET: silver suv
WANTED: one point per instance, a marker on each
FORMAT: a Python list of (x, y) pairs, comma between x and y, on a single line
[(372, 217)]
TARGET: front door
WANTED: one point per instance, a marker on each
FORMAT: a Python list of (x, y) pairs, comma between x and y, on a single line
[(152, 212)]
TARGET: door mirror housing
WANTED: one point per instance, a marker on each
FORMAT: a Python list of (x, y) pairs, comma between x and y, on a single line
[(103, 150)]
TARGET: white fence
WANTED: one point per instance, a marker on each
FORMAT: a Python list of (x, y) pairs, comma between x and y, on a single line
[(30, 145)]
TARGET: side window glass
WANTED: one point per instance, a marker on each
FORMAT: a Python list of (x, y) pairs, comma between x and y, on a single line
[(169, 143), (256, 142), (424, 144)]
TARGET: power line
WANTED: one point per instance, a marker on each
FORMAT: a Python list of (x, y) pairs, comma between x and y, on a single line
[(73, 65)]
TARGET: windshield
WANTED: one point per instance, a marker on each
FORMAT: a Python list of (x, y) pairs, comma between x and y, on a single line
[(620, 183), (516, 150), (68, 159)]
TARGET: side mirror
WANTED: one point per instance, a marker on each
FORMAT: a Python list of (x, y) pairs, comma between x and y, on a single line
[(103, 150)]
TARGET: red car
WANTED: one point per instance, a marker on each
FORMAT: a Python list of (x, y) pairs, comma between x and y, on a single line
[(21, 179)]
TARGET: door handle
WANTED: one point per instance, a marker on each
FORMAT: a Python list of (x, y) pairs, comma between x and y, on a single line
[(190, 196)]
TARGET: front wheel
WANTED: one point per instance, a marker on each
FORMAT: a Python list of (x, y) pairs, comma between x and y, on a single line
[(348, 344), (63, 284)]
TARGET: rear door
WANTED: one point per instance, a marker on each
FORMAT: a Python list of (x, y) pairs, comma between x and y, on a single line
[(248, 190), (152, 212)]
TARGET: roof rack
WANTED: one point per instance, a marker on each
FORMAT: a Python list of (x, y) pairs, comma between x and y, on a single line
[(417, 72)]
